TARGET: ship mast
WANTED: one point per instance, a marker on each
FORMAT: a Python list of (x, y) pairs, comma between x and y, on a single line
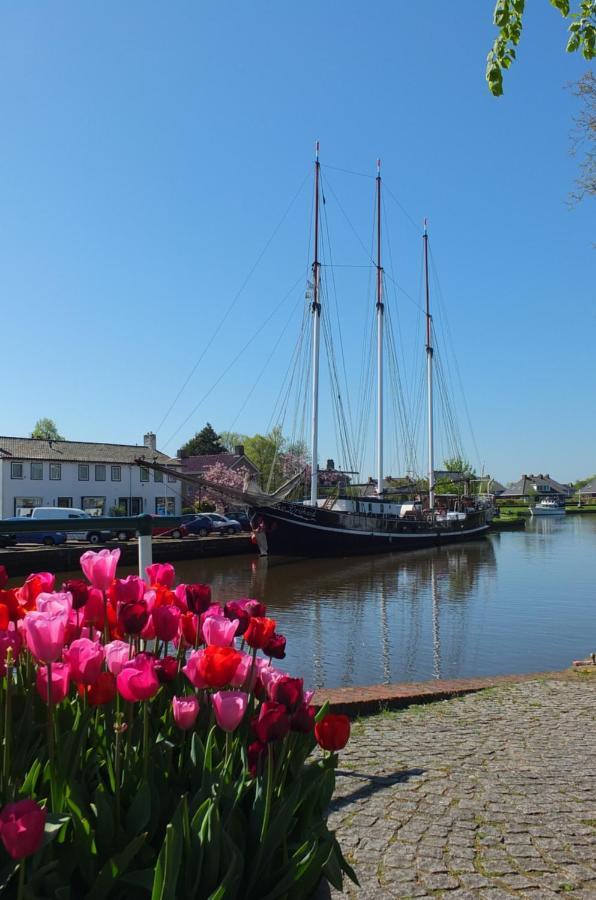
[(429, 379), (316, 331), (380, 315)]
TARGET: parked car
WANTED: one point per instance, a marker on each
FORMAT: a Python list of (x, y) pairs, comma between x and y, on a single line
[(94, 535), (162, 526), (201, 525), (223, 524), (8, 540), (44, 536), (242, 517)]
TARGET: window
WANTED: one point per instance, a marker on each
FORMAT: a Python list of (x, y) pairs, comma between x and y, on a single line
[(100, 473), (64, 502), (132, 506), (171, 478), (144, 474), (83, 472), (55, 471), (158, 476), (116, 473), (24, 505), (16, 470), (36, 471), (165, 506), (93, 505)]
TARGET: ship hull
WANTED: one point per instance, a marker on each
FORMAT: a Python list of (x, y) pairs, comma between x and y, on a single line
[(310, 532)]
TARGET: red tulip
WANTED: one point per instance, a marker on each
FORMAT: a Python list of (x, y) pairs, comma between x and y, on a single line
[(166, 669), (35, 584), (137, 679), (259, 632), (3, 577), (333, 732), (132, 617), (303, 719), (161, 573), (189, 624), (213, 666), (165, 622), (4, 616), (60, 682), (273, 722), (10, 599), (79, 591), (85, 659), (244, 610), (102, 691), (276, 647), (21, 828), (185, 711), (198, 597), (94, 611), (287, 690)]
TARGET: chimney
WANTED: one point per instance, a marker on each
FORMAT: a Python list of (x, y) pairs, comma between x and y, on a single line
[(150, 441), (239, 449), (330, 465)]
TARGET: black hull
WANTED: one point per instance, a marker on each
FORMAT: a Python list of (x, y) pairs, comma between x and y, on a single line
[(314, 532)]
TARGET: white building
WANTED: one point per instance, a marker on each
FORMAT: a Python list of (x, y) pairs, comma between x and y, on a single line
[(95, 477)]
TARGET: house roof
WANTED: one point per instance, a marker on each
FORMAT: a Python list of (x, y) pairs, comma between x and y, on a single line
[(527, 484), (79, 451), (589, 488), (196, 465)]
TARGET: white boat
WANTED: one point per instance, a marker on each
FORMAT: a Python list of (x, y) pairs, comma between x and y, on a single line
[(547, 508)]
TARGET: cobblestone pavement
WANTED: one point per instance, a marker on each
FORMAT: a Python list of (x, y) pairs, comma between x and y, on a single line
[(492, 795)]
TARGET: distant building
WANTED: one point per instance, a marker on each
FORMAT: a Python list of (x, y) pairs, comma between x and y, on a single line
[(588, 491), (199, 465), (91, 476), (535, 487)]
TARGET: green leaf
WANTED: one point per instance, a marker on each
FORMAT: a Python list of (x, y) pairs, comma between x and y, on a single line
[(139, 813), (168, 862), (114, 868)]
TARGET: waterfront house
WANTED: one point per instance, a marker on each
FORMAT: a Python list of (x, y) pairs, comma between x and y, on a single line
[(236, 462), (536, 488), (97, 477), (587, 494)]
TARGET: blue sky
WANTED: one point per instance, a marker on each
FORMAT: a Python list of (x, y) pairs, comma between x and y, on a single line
[(149, 151)]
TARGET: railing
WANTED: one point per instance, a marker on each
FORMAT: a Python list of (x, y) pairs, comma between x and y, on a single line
[(142, 525)]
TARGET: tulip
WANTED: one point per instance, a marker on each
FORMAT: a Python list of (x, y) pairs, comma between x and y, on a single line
[(219, 631), (102, 691), (166, 669), (229, 707), (54, 603), (333, 732), (212, 667), (78, 590), (10, 600), (256, 752), (132, 617), (303, 719), (166, 620), (191, 670), (189, 623), (45, 635), (117, 655), (161, 573), (159, 595), (245, 668), (60, 682), (4, 616), (34, 585), (100, 568), (286, 690), (3, 577), (22, 827), (243, 610), (137, 679), (148, 632), (268, 674), (275, 647), (259, 632), (273, 722), (85, 659), (185, 710), (127, 590), (94, 610), (198, 597)]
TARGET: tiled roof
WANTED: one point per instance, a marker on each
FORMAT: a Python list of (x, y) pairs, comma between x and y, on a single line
[(195, 465), (78, 451), (525, 486), (589, 488)]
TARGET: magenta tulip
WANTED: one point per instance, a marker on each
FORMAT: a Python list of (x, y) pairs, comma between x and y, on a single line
[(229, 707), (161, 573), (128, 590), (45, 635), (85, 659), (137, 680), (21, 828), (219, 631), (118, 653), (185, 710), (100, 568), (60, 682), (166, 620)]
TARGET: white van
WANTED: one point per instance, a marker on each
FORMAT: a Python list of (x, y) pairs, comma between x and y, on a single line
[(94, 535)]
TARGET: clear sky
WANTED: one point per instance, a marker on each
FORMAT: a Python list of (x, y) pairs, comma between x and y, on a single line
[(149, 151)]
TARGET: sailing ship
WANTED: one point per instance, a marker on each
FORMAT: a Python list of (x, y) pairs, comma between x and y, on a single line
[(342, 526)]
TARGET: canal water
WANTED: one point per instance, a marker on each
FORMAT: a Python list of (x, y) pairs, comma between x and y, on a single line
[(513, 602)]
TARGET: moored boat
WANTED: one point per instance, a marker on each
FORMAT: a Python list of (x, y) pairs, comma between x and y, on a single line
[(547, 507)]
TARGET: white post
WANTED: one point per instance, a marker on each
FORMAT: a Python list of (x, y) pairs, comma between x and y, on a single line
[(145, 555)]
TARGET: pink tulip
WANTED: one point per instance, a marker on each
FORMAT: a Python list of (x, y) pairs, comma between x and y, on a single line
[(118, 653), (165, 621), (180, 594), (191, 670), (219, 630), (100, 568), (60, 682), (128, 590), (242, 672), (229, 707), (54, 603), (186, 710), (137, 680), (85, 659), (45, 635), (9, 638), (161, 573), (21, 828)]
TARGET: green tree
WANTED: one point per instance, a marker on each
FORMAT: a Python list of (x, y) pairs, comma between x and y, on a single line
[(231, 439), (265, 451), (46, 430), (205, 441), (459, 465), (509, 16)]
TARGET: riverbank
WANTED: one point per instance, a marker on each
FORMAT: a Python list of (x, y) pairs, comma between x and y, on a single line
[(23, 559), (492, 795)]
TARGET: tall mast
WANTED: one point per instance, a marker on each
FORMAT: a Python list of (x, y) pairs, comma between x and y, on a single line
[(380, 315), (429, 379), (316, 331)]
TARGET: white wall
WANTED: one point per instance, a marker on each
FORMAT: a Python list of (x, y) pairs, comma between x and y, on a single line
[(70, 486)]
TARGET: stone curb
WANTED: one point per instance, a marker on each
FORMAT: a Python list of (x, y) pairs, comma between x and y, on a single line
[(372, 699)]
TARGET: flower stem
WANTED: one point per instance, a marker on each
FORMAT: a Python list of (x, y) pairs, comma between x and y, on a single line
[(50, 718), (268, 793), (21, 885), (7, 727), (145, 738)]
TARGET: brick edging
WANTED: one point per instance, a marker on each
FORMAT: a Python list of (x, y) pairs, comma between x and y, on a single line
[(371, 699)]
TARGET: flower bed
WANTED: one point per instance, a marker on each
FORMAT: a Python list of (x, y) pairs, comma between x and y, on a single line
[(151, 749)]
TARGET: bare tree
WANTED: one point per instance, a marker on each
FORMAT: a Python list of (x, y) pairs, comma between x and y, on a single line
[(583, 136)]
